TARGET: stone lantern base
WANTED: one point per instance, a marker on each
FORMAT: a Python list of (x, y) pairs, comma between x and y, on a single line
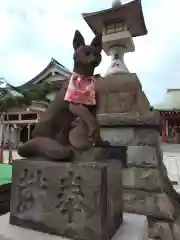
[(122, 93), (147, 189)]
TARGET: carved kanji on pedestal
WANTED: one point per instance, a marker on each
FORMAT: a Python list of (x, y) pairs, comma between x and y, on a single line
[(71, 196), (30, 184)]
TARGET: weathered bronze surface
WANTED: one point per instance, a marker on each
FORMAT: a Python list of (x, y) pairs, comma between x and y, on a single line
[(51, 134)]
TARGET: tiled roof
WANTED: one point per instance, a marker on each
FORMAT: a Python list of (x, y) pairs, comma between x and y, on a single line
[(53, 62)]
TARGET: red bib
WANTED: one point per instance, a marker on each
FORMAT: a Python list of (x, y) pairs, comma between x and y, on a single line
[(81, 89)]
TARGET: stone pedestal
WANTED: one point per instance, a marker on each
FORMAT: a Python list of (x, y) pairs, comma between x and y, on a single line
[(134, 227), (122, 93), (77, 200), (147, 189)]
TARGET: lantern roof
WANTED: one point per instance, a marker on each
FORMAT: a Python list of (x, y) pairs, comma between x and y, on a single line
[(131, 14)]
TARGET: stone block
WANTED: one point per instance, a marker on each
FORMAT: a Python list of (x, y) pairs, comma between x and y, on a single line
[(129, 119), (118, 93), (119, 83), (142, 179), (142, 156), (146, 136), (134, 227), (150, 204), (143, 104), (76, 200), (98, 154), (122, 93), (117, 102), (118, 136), (120, 38), (129, 136)]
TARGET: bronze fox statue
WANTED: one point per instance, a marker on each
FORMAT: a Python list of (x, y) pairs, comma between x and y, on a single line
[(51, 135)]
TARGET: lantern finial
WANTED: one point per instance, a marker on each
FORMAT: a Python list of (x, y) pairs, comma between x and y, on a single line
[(116, 3)]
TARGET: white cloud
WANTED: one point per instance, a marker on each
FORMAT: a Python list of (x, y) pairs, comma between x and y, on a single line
[(39, 30), (26, 65), (5, 33), (34, 31)]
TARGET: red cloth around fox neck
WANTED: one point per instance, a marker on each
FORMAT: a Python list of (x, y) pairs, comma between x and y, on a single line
[(81, 89)]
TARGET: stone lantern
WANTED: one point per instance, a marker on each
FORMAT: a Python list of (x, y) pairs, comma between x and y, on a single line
[(126, 120), (118, 25)]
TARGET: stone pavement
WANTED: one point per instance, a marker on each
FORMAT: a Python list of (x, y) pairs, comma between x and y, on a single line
[(134, 227), (171, 156), (6, 155)]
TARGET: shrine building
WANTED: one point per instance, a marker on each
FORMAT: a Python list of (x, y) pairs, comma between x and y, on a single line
[(17, 123), (170, 116)]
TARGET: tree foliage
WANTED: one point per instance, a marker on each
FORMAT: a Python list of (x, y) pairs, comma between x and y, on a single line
[(39, 92)]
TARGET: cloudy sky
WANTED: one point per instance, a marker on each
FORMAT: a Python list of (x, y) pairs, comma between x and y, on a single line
[(34, 31)]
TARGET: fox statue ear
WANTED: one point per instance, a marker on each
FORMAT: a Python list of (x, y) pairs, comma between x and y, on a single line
[(78, 40), (97, 42)]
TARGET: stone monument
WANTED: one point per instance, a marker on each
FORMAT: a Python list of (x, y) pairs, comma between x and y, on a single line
[(126, 120)]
